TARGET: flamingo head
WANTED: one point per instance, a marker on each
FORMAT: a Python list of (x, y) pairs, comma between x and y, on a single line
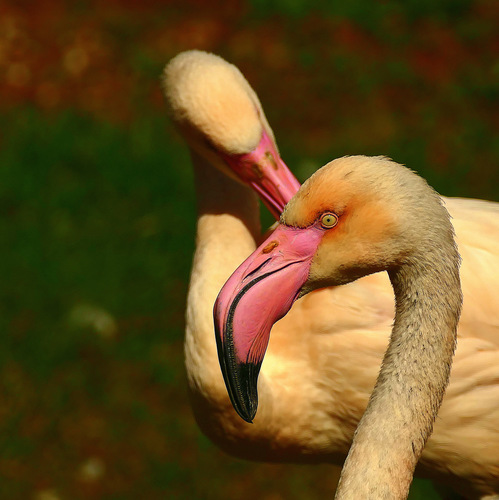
[(353, 217), (222, 119)]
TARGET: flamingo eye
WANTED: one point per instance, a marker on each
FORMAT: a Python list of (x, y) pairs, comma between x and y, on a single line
[(328, 220)]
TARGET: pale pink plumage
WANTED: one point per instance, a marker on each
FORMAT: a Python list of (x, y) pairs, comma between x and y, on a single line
[(324, 356)]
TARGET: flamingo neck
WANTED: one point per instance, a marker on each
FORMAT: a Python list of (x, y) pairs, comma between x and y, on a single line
[(228, 223), (413, 377)]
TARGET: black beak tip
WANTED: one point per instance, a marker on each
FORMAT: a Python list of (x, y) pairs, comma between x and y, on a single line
[(245, 415), (240, 378), (241, 385), (246, 401)]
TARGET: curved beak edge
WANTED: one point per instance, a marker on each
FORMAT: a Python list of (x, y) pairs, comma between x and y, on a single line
[(259, 293)]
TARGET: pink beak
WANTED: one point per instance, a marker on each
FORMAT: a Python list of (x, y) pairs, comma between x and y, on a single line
[(265, 172), (259, 293)]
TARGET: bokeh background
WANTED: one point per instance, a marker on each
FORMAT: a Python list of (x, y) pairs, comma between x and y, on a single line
[(98, 210)]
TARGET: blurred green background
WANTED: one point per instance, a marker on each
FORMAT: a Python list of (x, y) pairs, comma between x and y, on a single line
[(98, 211)]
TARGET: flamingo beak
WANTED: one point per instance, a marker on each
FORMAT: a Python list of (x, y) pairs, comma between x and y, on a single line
[(259, 293), (266, 173)]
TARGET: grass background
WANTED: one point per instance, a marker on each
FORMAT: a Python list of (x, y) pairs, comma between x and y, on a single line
[(98, 213)]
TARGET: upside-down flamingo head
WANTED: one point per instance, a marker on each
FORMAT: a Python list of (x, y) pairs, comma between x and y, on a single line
[(221, 117), (355, 216)]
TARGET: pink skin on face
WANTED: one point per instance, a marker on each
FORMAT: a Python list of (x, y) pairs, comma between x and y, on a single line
[(259, 293), (265, 172)]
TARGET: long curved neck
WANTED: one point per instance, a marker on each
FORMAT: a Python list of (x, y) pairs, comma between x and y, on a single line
[(415, 371), (228, 223)]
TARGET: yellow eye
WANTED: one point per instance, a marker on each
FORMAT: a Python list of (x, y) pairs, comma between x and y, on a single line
[(328, 220)]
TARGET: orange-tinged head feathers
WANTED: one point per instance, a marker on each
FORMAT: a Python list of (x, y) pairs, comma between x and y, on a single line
[(384, 212), (339, 187), (209, 97)]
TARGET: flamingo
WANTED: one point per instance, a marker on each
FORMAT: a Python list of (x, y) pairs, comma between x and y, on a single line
[(324, 355), (354, 217)]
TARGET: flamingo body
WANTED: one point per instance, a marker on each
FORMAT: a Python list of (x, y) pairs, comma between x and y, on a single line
[(324, 355)]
